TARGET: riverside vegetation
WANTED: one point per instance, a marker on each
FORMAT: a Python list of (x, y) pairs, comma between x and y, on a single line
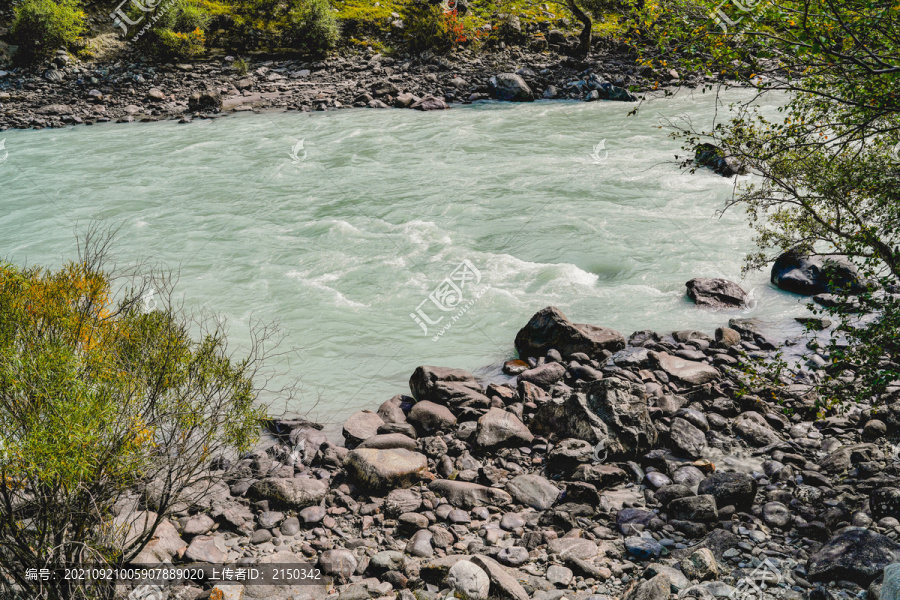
[(662, 464)]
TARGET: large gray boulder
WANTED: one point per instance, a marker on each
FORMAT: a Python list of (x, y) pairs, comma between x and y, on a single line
[(734, 489), (503, 585), (463, 494), (510, 87), (361, 425), (715, 293), (428, 417), (534, 491), (498, 427), (610, 410), (796, 272), (376, 469), (452, 387), (853, 554), (550, 329), (686, 439), (686, 371), (296, 492), (469, 580)]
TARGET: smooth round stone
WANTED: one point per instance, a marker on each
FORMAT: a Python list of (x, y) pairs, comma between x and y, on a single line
[(512, 521), (443, 511), (458, 516), (559, 576), (776, 514), (413, 520), (481, 513), (643, 548), (656, 479), (291, 526), (260, 536), (420, 544), (513, 556), (312, 514)]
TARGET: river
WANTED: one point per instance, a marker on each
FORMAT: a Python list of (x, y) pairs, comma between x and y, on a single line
[(343, 238)]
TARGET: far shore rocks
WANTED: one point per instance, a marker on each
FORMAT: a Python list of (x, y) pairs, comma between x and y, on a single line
[(587, 468)]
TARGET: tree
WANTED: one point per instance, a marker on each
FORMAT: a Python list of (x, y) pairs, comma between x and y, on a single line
[(829, 162), (585, 11), (107, 387)]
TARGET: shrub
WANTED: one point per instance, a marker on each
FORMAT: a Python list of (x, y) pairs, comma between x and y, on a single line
[(311, 27), (40, 27), (178, 32), (104, 390), (427, 27)]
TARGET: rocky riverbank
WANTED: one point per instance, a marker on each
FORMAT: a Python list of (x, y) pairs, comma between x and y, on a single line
[(642, 468), (66, 92)]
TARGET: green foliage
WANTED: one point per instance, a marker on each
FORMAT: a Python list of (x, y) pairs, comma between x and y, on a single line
[(40, 27), (178, 32), (241, 66), (310, 27), (99, 395), (428, 27)]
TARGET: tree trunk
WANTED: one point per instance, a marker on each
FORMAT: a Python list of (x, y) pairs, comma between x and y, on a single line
[(584, 38)]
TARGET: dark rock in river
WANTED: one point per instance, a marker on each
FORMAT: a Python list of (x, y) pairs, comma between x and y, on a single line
[(715, 293), (810, 275), (550, 329), (708, 155)]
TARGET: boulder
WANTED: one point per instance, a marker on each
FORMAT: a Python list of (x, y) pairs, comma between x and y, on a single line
[(656, 588), (469, 580), (753, 427), (610, 410), (361, 426), (203, 549), (464, 494), (503, 585), (544, 375), (708, 155), (510, 87), (697, 509), (796, 272), (429, 103), (163, 545), (730, 489), (686, 439), (429, 417), (890, 589), (391, 411), (498, 427), (533, 491), (550, 329), (452, 387), (377, 469), (687, 371), (715, 293), (854, 554), (296, 492), (205, 100), (339, 563), (389, 440)]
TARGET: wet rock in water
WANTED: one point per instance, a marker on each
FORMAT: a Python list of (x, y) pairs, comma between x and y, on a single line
[(686, 439), (429, 103), (297, 492), (610, 410), (853, 554), (708, 155), (734, 489), (715, 293), (688, 371), (464, 494), (429, 417), (380, 470), (533, 491), (499, 427), (884, 502), (510, 87), (361, 426), (796, 272), (550, 329), (339, 563), (469, 580)]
